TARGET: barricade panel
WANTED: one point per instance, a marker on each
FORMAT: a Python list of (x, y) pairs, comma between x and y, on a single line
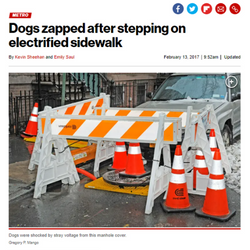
[(140, 129), (86, 107), (139, 112)]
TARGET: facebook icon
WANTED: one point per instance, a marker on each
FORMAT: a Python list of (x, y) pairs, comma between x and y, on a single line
[(178, 8)]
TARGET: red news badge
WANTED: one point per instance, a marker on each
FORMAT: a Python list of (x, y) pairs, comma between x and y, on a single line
[(20, 15)]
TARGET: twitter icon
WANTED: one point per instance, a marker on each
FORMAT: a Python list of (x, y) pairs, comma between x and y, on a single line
[(192, 8)]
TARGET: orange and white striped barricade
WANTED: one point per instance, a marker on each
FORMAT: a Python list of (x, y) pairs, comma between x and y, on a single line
[(86, 107), (183, 114), (195, 122), (196, 138), (160, 130)]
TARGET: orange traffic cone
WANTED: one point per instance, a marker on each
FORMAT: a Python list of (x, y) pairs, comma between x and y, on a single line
[(120, 157), (212, 141), (200, 166), (215, 205), (134, 165), (31, 129), (177, 196)]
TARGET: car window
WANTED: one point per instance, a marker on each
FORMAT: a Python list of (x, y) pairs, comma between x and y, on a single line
[(192, 86)]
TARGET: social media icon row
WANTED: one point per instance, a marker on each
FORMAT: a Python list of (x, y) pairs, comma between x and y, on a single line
[(206, 8)]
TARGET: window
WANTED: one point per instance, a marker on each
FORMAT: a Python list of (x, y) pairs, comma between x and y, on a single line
[(141, 94), (192, 86), (118, 97)]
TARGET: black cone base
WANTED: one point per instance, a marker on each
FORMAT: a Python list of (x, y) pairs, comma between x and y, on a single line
[(111, 169), (24, 135), (123, 174), (176, 210), (199, 212)]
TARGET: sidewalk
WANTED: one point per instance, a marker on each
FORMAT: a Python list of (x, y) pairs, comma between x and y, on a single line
[(76, 206), (21, 180)]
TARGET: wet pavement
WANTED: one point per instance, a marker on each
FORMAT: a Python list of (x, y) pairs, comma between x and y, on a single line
[(76, 206), (18, 150), (21, 180)]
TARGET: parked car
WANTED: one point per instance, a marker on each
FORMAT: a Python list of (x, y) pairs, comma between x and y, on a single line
[(179, 91)]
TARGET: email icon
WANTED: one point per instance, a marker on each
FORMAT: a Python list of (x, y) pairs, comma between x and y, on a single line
[(220, 8)]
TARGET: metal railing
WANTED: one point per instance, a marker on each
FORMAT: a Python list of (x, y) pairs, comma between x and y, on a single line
[(129, 93), (20, 108), (79, 86)]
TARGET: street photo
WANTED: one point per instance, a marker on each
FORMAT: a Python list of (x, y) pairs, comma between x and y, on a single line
[(124, 150)]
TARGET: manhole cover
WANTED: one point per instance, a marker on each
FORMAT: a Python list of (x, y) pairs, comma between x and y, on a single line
[(114, 178)]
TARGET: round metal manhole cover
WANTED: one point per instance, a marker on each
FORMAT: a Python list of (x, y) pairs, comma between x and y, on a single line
[(114, 178)]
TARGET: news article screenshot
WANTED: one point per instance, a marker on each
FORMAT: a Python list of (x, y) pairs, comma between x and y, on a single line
[(124, 124)]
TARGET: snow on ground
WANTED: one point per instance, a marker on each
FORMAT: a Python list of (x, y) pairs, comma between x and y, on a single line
[(234, 156)]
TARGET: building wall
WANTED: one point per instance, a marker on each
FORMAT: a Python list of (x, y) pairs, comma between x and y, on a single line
[(130, 76), (20, 82)]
